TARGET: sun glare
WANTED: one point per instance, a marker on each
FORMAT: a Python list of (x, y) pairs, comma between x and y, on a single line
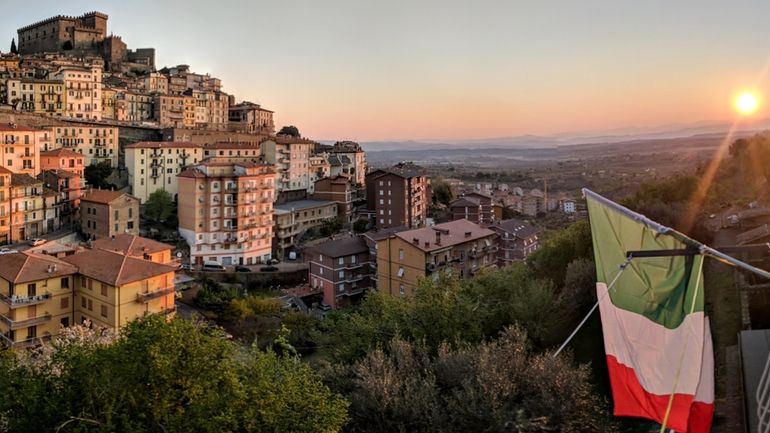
[(746, 103)]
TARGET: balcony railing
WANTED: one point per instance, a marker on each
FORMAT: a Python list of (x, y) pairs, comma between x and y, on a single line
[(6, 341), (148, 296), (24, 323), (20, 301)]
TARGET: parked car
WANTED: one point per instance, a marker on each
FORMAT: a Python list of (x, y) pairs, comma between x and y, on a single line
[(241, 268), (7, 251), (324, 307), (213, 267), (35, 242), (185, 267), (268, 269)]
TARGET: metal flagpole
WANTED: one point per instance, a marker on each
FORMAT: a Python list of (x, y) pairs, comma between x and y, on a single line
[(621, 268)]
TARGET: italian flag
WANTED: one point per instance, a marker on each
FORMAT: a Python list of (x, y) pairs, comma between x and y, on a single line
[(656, 333)]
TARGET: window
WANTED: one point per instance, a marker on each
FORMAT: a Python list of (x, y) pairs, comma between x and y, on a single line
[(31, 289), (342, 274), (91, 304), (401, 289), (400, 254), (400, 272), (104, 289), (83, 302), (342, 261), (65, 302), (83, 282), (353, 259), (320, 258), (130, 225), (104, 310)]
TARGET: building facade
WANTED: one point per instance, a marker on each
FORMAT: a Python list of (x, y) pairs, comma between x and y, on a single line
[(291, 157), (294, 218), (106, 213), (155, 165), (458, 247), (226, 212), (21, 147), (95, 143), (398, 196), (339, 189), (516, 240), (27, 210), (341, 269)]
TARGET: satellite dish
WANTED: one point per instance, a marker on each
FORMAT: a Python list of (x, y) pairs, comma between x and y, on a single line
[(179, 254)]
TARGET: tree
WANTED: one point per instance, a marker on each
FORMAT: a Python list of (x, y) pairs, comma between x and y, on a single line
[(331, 226), (175, 376), (360, 226), (556, 253), (159, 206), (14, 50), (96, 174), (290, 130), (442, 193), (497, 386)]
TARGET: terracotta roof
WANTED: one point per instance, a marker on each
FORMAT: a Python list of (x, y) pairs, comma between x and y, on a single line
[(191, 172), (60, 173), (341, 247), (26, 267), (61, 152), (465, 202), (162, 145), (4, 170), (130, 245), (452, 233), (18, 179), (6, 127), (103, 196), (232, 145), (379, 234), (401, 169), (517, 228), (115, 269)]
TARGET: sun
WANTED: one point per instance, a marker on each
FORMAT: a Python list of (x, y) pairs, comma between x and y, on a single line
[(746, 103)]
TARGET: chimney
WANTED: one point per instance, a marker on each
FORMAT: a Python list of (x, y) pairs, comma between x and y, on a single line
[(416, 241), (468, 234), (427, 244)]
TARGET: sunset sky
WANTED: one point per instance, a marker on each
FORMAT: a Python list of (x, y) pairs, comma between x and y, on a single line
[(430, 70)]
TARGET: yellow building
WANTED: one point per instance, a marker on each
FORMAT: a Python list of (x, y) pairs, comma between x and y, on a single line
[(113, 289), (95, 143), (36, 297), (460, 247), (137, 247), (21, 146), (27, 211)]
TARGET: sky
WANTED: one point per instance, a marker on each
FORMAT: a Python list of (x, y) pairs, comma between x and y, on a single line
[(451, 70)]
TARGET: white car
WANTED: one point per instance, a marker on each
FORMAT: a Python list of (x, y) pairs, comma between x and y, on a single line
[(36, 242), (7, 251)]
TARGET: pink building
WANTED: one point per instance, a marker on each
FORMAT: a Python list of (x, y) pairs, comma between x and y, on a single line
[(62, 159)]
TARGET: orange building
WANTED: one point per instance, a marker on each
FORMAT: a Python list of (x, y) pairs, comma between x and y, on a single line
[(5, 205), (64, 159)]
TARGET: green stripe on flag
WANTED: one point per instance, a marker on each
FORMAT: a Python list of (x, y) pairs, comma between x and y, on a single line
[(660, 288)]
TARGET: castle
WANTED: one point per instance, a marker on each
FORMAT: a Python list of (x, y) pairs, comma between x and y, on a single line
[(84, 35)]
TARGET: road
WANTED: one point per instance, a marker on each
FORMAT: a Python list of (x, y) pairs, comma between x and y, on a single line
[(55, 235)]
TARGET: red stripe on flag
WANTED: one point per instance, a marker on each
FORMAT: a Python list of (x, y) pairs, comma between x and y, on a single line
[(632, 400)]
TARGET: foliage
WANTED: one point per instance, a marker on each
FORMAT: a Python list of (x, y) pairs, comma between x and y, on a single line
[(580, 283), (290, 130), (14, 50), (214, 297), (96, 174), (551, 260), (164, 376), (360, 226), (159, 206), (442, 193), (331, 226), (497, 386)]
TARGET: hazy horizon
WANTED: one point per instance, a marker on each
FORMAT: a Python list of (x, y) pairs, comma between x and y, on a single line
[(452, 70)]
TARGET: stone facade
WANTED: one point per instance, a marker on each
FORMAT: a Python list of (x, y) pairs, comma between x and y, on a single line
[(107, 213)]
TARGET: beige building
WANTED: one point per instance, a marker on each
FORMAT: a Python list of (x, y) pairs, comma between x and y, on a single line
[(291, 157), (155, 82), (234, 151), (154, 165), (83, 91), (138, 106), (459, 247), (107, 213), (172, 111), (21, 148), (44, 97), (252, 118), (294, 218), (226, 211), (95, 143), (348, 158)]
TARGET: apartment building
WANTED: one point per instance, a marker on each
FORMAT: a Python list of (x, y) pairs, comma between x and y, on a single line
[(340, 268), (155, 82), (226, 211), (233, 151), (40, 96), (251, 118), (95, 143), (27, 211), (458, 247), (107, 213), (291, 157), (36, 297), (40, 294), (5, 205), (51, 210), (371, 238), (139, 106), (294, 218), (67, 188), (137, 247), (516, 240), (21, 148), (398, 196), (173, 111), (349, 159), (319, 169), (62, 159), (476, 207), (339, 189), (83, 90), (155, 165), (211, 108)]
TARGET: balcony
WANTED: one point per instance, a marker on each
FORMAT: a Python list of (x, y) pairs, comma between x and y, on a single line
[(148, 296), (24, 323), (15, 301), (29, 342), (231, 188), (155, 164)]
